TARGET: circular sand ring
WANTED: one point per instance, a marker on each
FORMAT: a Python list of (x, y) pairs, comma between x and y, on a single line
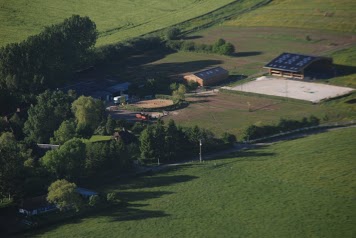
[(153, 103)]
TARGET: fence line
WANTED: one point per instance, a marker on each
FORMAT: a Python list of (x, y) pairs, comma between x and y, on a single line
[(324, 126)]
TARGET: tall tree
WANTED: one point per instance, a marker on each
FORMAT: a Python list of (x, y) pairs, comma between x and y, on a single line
[(11, 166), (67, 161), (65, 132), (88, 111), (147, 144), (64, 195), (46, 116), (45, 60), (171, 141)]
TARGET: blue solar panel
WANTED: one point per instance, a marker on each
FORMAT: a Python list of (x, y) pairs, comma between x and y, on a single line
[(291, 62)]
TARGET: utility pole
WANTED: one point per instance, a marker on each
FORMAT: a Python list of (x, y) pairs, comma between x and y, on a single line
[(200, 144)]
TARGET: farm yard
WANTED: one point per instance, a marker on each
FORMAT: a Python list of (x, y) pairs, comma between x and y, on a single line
[(302, 186), (308, 91)]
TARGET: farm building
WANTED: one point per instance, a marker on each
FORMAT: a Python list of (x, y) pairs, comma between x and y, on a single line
[(208, 77), (299, 66)]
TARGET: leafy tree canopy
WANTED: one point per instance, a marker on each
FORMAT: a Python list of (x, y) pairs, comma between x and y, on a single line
[(64, 195), (46, 116)]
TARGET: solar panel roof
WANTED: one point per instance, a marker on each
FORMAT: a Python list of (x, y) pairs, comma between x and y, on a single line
[(291, 62)]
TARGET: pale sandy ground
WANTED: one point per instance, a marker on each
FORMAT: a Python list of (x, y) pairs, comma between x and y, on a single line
[(153, 103), (313, 92)]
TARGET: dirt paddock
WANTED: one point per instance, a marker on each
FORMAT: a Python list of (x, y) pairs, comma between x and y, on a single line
[(313, 92), (153, 103)]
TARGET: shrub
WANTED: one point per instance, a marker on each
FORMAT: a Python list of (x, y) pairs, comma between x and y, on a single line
[(111, 197), (94, 200), (228, 138), (172, 33)]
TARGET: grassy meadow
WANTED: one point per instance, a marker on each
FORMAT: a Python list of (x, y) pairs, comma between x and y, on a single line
[(312, 14), (115, 20), (298, 188)]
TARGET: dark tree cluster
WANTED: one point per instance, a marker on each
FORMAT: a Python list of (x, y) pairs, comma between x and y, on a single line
[(219, 47), (284, 125), (172, 143), (44, 60)]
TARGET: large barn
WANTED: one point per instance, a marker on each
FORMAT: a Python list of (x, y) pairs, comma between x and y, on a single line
[(208, 77), (290, 65)]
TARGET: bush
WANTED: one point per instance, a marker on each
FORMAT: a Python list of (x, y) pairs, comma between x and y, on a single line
[(172, 33), (228, 138), (111, 197), (94, 200)]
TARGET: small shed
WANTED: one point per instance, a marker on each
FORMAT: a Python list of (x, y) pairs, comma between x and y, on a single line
[(290, 65), (208, 77)]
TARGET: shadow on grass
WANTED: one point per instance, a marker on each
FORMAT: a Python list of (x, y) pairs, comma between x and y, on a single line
[(247, 53), (247, 155), (192, 37), (157, 181), (132, 214), (133, 196), (199, 101)]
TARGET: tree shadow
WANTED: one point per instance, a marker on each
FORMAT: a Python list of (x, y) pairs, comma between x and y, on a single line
[(133, 214), (247, 53), (192, 37), (156, 181), (246, 155), (199, 101), (133, 196)]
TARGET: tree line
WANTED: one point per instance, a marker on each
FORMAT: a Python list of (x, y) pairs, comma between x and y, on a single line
[(45, 60), (284, 125)]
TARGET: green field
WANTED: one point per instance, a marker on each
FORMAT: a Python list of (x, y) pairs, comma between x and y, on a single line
[(298, 188), (116, 20), (312, 14)]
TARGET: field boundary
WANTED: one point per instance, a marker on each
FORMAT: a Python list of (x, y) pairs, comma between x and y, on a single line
[(323, 126)]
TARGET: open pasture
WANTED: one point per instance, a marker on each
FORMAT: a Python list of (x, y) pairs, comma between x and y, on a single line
[(115, 20), (333, 15), (298, 188), (308, 91)]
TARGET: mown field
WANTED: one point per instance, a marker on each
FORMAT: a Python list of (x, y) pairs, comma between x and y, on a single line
[(312, 14), (116, 20), (299, 188)]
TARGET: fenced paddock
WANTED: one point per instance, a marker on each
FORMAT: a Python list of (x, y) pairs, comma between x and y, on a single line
[(153, 103), (313, 92)]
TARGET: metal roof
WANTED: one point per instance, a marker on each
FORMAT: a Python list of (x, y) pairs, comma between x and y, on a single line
[(209, 73), (292, 62)]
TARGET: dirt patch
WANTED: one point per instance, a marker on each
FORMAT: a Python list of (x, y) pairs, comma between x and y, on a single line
[(154, 103)]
